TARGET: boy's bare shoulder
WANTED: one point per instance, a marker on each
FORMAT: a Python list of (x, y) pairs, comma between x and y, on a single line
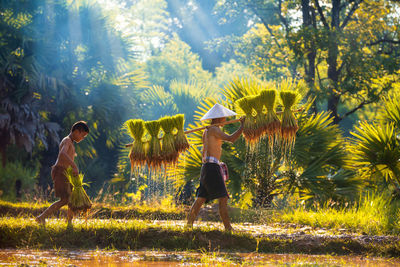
[(213, 128), (66, 141)]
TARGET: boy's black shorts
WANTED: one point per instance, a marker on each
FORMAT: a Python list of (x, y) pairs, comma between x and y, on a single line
[(212, 185)]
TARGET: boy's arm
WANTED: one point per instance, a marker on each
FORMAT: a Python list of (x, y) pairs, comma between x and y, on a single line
[(65, 157)]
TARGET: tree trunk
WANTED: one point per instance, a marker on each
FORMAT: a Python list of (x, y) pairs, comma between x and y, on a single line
[(4, 140), (309, 44), (309, 21), (333, 52), (263, 198)]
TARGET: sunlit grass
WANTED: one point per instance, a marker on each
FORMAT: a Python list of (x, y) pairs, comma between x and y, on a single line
[(374, 214), (110, 234), (160, 210), (163, 205)]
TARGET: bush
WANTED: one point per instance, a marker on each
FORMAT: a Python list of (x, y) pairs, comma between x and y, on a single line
[(14, 175)]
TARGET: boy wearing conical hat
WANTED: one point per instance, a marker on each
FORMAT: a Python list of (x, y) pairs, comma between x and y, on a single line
[(213, 171)]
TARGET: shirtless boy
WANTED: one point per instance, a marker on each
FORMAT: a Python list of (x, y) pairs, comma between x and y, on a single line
[(65, 159), (212, 184)]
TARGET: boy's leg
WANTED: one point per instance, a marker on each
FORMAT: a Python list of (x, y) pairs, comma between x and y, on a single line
[(70, 215), (194, 211), (223, 212), (53, 207)]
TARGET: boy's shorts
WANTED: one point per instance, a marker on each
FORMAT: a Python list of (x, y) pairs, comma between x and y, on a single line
[(212, 185), (62, 187)]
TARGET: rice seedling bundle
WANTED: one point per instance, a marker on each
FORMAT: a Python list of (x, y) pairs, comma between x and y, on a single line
[(249, 124), (257, 104), (181, 143), (137, 154), (272, 122), (168, 151), (153, 158), (79, 200), (289, 125)]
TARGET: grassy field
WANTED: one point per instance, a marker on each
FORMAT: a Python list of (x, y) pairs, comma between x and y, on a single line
[(102, 211), (373, 216), (137, 234), (154, 227), (144, 212)]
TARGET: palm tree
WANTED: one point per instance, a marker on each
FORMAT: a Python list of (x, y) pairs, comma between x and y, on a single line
[(62, 62), (317, 169), (21, 120), (375, 147)]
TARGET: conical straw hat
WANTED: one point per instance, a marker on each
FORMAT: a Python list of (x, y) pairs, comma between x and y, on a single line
[(218, 111)]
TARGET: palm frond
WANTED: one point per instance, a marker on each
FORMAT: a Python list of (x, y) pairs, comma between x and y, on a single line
[(239, 88), (158, 103), (375, 148), (391, 111), (188, 167)]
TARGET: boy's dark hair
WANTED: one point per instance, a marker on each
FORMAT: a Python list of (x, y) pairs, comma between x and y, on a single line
[(80, 126)]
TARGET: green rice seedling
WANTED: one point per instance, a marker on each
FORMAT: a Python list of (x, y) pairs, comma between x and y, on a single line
[(244, 104), (289, 125), (169, 153), (79, 200), (137, 154), (272, 123), (153, 158), (181, 142), (259, 118)]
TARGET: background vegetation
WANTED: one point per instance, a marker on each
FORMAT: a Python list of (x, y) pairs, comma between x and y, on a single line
[(109, 61)]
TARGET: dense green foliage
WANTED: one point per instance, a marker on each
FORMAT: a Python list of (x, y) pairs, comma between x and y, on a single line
[(106, 62)]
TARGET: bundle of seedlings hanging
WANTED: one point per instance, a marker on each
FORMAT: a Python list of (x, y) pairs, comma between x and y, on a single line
[(181, 143), (79, 200), (289, 125), (249, 124), (272, 122), (137, 154), (153, 156), (257, 105), (168, 151)]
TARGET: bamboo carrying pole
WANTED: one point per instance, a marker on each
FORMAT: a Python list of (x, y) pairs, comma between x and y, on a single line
[(202, 128), (217, 124)]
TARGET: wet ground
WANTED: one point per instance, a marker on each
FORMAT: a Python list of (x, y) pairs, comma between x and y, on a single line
[(149, 257), (286, 231), (25, 257)]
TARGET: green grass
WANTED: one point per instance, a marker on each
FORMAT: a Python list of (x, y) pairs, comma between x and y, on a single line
[(99, 210), (374, 215), (144, 212), (134, 235), (136, 227)]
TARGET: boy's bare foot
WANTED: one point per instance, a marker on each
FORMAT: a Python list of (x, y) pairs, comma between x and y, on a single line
[(188, 227), (229, 230), (70, 225), (40, 220)]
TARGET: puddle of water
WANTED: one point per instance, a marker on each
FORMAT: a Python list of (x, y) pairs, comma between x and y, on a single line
[(12, 257)]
